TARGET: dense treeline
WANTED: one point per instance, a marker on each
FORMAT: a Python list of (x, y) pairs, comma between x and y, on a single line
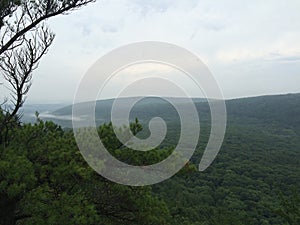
[(254, 180), (255, 176), (44, 180)]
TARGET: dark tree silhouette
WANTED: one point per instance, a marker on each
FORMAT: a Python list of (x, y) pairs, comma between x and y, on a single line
[(24, 39)]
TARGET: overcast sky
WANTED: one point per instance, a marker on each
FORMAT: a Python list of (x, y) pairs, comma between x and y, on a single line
[(251, 47)]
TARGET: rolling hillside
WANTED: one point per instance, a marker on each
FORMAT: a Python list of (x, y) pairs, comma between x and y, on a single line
[(282, 110), (255, 179)]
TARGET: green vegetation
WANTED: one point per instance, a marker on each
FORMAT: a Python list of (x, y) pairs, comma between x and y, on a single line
[(254, 180), (44, 180)]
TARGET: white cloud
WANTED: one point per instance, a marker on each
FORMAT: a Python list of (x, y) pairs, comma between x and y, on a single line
[(234, 38)]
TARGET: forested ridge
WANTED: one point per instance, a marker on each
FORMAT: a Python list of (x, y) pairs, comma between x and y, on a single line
[(44, 179), (255, 179)]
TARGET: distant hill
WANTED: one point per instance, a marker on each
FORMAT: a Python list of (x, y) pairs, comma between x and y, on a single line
[(283, 110), (280, 109), (144, 110), (255, 174)]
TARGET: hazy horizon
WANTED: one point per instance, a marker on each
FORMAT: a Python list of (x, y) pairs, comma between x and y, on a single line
[(251, 48), (71, 102)]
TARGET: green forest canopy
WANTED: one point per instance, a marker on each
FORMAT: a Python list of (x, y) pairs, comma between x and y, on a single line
[(254, 180)]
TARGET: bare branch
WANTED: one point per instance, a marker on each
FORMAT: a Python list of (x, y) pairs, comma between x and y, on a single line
[(24, 39), (39, 11), (18, 64)]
